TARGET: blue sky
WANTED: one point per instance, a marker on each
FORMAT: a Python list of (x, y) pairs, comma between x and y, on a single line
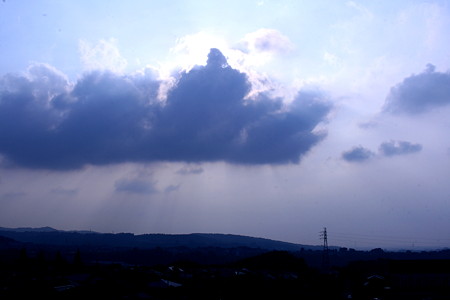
[(118, 117)]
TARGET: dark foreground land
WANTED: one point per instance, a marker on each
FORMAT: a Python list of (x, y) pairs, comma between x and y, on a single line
[(68, 271)]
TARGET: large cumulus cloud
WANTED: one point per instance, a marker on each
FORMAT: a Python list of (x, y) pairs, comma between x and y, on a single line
[(419, 93), (104, 118)]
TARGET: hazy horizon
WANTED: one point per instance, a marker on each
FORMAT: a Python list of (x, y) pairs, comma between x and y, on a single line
[(319, 245)]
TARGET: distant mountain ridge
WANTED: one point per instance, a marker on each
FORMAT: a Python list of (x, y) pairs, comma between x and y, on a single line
[(51, 236), (29, 229)]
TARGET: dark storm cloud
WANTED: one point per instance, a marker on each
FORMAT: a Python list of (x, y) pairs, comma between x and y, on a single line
[(134, 186), (399, 148), (357, 154), (99, 121), (419, 93), (104, 118)]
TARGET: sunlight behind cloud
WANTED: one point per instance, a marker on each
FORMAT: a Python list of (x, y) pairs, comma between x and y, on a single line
[(193, 49), (249, 55)]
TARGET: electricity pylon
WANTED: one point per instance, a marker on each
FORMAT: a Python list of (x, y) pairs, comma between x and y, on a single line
[(325, 253)]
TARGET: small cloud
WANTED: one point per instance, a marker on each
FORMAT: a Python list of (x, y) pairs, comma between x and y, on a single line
[(267, 40), (134, 186), (399, 148), (172, 188), (357, 154), (419, 93), (190, 170)]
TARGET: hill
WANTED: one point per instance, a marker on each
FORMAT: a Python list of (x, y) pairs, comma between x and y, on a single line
[(50, 236)]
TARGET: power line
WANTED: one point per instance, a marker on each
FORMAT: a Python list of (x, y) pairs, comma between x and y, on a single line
[(387, 237), (388, 240)]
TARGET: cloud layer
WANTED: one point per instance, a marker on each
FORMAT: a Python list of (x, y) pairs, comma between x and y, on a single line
[(104, 118)]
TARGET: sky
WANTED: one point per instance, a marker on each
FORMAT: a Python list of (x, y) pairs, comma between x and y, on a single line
[(270, 119)]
